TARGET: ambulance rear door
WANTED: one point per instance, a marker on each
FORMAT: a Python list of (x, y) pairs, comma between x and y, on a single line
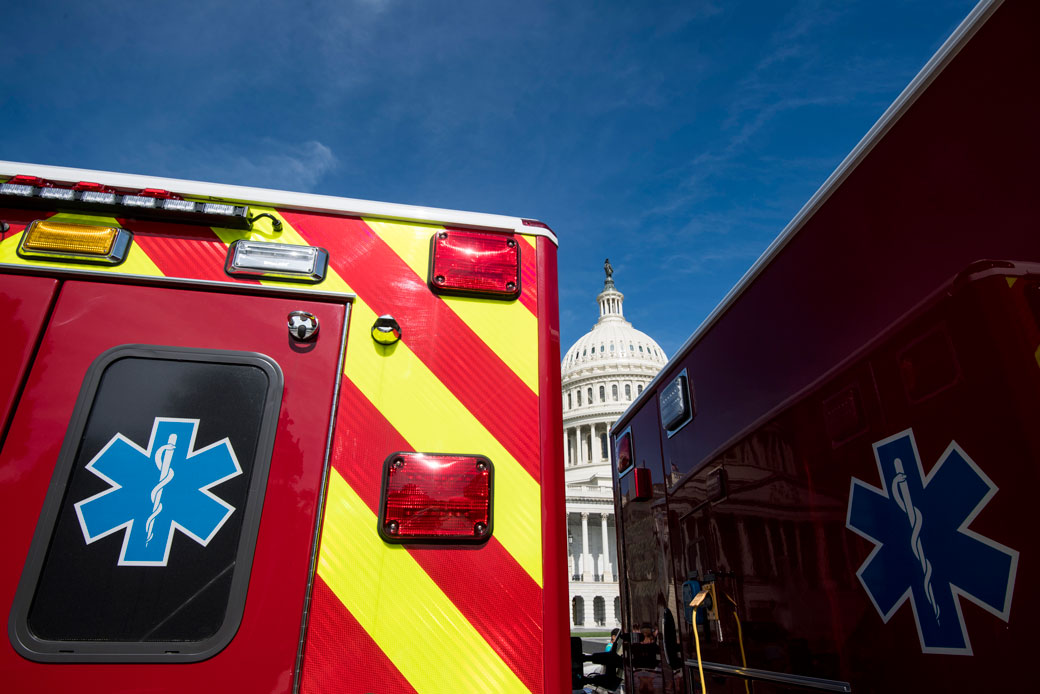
[(160, 485)]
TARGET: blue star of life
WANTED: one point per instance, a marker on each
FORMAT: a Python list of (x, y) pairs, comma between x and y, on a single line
[(924, 550), (158, 490)]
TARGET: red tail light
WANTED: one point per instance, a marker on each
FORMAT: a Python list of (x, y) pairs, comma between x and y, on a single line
[(642, 485), (535, 223), (159, 193), (93, 187), (436, 498), (35, 181), (475, 263)]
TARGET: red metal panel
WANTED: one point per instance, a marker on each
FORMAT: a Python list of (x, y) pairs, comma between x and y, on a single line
[(555, 632), (24, 303), (505, 608), (341, 656), (881, 316), (90, 318)]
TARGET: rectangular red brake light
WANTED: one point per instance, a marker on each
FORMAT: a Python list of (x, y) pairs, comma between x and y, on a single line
[(436, 498), (475, 263)]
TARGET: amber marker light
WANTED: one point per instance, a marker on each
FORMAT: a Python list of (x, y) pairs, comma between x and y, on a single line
[(75, 243)]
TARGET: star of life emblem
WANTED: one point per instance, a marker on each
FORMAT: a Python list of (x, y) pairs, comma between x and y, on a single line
[(924, 550), (158, 490)]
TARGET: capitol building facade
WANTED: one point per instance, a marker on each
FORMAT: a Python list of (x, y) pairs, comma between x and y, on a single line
[(601, 374)]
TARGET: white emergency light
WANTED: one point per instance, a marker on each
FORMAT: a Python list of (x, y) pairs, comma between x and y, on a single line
[(277, 261)]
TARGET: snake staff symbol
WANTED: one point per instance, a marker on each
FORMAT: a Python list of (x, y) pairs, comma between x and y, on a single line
[(163, 457), (924, 549)]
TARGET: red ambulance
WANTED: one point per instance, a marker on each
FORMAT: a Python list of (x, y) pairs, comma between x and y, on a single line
[(259, 441), (839, 465)]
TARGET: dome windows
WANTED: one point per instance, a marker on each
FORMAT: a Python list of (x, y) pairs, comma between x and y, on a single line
[(628, 392), (602, 394)]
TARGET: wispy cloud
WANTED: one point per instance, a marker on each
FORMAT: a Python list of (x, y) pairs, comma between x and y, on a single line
[(268, 163)]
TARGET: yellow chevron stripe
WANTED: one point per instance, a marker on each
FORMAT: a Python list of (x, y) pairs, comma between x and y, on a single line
[(417, 405), (137, 261), (401, 607), (508, 328), (531, 241)]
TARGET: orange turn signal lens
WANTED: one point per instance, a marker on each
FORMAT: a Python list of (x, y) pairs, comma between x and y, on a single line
[(75, 242)]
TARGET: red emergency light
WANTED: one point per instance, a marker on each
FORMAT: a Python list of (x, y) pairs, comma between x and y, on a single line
[(159, 193), (475, 263), (623, 452), (436, 498), (35, 181)]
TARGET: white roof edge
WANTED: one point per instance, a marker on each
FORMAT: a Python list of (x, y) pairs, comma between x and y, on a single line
[(308, 202), (949, 49)]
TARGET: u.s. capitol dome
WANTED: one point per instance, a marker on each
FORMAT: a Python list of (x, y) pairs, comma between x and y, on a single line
[(601, 374)]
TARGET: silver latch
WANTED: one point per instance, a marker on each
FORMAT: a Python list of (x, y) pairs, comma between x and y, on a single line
[(303, 326)]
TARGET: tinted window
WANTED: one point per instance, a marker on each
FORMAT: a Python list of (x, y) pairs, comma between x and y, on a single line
[(158, 467)]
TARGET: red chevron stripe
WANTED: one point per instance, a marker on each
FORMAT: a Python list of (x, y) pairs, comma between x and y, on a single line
[(497, 596), (183, 250), (528, 278), (443, 341), (341, 656)]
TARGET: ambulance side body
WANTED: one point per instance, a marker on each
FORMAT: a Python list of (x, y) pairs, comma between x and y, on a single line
[(856, 481), (307, 594)]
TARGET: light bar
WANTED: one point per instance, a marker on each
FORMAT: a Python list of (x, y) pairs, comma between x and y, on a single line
[(436, 498), (277, 261), (57, 193), (140, 201), (16, 189), (98, 197), (95, 198), (75, 243), (179, 205), (214, 208)]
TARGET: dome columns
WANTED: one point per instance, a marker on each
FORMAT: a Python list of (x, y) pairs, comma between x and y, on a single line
[(583, 444), (586, 556)]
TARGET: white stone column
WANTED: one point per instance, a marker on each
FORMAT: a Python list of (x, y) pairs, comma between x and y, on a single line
[(586, 558), (608, 575)]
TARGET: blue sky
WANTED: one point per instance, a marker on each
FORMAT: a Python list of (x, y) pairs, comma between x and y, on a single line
[(677, 138)]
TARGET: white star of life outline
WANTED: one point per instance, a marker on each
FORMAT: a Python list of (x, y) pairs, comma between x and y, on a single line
[(174, 525), (958, 592)]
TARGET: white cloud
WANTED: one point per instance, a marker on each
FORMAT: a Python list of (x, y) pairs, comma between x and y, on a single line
[(266, 163)]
